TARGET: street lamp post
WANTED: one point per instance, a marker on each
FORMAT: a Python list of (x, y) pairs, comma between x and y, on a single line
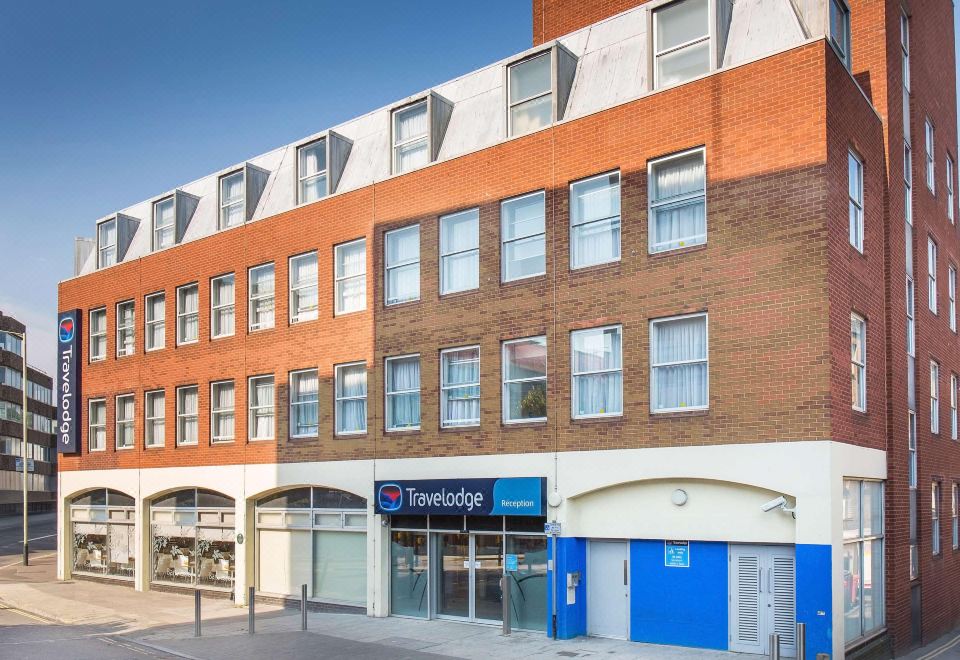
[(23, 442)]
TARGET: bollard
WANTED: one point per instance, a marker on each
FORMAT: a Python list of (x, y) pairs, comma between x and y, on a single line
[(196, 612), (774, 646), (505, 591), (802, 641), (251, 611), (303, 607)]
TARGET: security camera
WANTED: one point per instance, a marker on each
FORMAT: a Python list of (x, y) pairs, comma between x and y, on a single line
[(780, 502)]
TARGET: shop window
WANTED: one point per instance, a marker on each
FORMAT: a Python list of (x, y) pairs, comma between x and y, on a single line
[(863, 574)]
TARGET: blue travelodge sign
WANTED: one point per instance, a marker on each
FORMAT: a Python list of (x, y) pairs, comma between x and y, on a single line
[(509, 496), (67, 382)]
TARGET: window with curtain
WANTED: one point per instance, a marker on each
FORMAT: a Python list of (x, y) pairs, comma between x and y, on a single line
[(595, 220), (912, 449), (261, 291), (222, 306), (855, 192), (222, 411), (351, 398), (911, 328), (312, 171), (188, 314), (525, 380), (930, 155), (460, 251), (934, 397), (932, 274), (953, 406), (125, 329), (155, 314), (98, 334), (935, 517), (402, 259), (303, 287), (531, 94), (460, 387), (681, 42), (950, 187), (97, 436), (858, 362), (351, 276), (11, 377), (678, 359), (304, 404), (907, 184), (863, 539), (261, 401), (410, 137), (403, 393), (187, 411), (522, 232), (124, 428), (678, 201), (954, 511), (107, 243), (597, 372), (232, 202), (952, 295), (164, 223), (155, 419), (840, 29)]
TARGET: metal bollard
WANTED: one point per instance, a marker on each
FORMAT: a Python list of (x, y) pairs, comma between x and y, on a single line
[(774, 646), (802, 641), (303, 607), (196, 612), (505, 590), (251, 610)]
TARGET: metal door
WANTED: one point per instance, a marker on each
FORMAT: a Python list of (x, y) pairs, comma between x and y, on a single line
[(608, 589)]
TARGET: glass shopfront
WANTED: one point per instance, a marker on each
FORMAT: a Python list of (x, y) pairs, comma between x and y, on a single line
[(102, 522)]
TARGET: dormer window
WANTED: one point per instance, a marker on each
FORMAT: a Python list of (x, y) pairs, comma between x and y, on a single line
[(232, 200), (681, 42), (312, 171), (531, 95), (410, 137), (107, 243), (840, 29), (164, 223)]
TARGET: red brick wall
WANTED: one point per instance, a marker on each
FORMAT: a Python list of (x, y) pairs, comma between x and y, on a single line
[(555, 18)]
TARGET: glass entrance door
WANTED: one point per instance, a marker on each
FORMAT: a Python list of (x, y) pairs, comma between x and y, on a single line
[(487, 574), (470, 567), (453, 576)]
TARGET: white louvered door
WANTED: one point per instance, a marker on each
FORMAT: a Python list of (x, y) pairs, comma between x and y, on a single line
[(762, 598), (782, 596), (746, 624)]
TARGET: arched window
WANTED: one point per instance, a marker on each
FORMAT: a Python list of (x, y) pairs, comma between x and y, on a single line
[(102, 522)]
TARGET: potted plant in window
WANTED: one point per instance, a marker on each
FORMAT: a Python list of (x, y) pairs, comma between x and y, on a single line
[(534, 404)]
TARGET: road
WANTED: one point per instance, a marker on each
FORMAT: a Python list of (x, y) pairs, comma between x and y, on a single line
[(42, 528)]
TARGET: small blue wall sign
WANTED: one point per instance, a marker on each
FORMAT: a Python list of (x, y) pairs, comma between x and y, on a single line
[(511, 566), (676, 554)]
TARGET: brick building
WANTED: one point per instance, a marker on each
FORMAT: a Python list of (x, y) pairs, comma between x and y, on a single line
[(645, 280)]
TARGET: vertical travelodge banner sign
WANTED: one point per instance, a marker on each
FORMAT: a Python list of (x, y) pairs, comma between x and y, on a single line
[(67, 382), (509, 496)]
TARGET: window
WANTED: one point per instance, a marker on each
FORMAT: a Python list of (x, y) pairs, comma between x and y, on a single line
[(124, 429), (907, 184), (12, 412), (261, 290), (911, 327), (188, 314), (107, 243), (232, 203), (312, 171), (522, 232), (935, 517), (952, 295), (950, 183), (154, 404), (262, 423), (931, 160), (303, 287), (125, 332), (98, 334), (678, 201), (460, 251), (840, 29), (905, 50), (155, 314), (863, 536), (402, 259), (531, 97), (221, 306), (934, 397), (187, 415), (679, 362), (11, 377), (855, 184), (858, 362), (460, 387), (597, 366), (525, 380), (164, 223), (403, 393), (97, 437), (351, 276), (932, 275), (912, 448), (681, 42), (351, 398), (953, 406), (12, 343), (221, 411), (595, 220), (954, 511), (411, 147), (304, 404)]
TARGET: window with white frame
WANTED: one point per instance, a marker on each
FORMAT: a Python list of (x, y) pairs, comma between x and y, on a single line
[(531, 94), (125, 329), (155, 314), (681, 42), (597, 372), (351, 398), (460, 251), (107, 243), (460, 387), (232, 201), (98, 334), (952, 296), (402, 264), (411, 137), (953, 406), (304, 404), (402, 381), (525, 380), (855, 191), (932, 274), (222, 306), (261, 290), (912, 449), (188, 314), (930, 154), (911, 326), (312, 171), (907, 184), (164, 223), (188, 402), (934, 396), (954, 511), (678, 202), (351, 276), (935, 517), (905, 50), (862, 558), (124, 426), (595, 220), (951, 202), (679, 363), (155, 422), (222, 411), (858, 362), (522, 230), (262, 416), (303, 287), (840, 29), (97, 433)]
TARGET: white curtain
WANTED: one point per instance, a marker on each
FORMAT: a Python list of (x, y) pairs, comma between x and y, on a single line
[(461, 381), (599, 394), (155, 411), (352, 399), (595, 220), (597, 357), (164, 224), (403, 264), (223, 300), (403, 405), (303, 285), (523, 217), (351, 273), (223, 402), (125, 421), (410, 124), (262, 402), (188, 412), (459, 249), (190, 321), (306, 411), (262, 290), (680, 385), (313, 158), (683, 222)]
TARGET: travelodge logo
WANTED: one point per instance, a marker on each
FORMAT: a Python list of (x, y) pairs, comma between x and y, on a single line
[(66, 330), (390, 497)]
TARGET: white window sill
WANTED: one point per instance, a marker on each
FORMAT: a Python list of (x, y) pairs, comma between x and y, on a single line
[(261, 439), (465, 425), (347, 434), (222, 336), (662, 411), (125, 448), (226, 441), (594, 265), (598, 416), (154, 349), (402, 429), (188, 343), (305, 437), (186, 444), (528, 420)]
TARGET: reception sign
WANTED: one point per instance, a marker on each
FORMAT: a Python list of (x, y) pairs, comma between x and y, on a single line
[(509, 496), (67, 382)]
